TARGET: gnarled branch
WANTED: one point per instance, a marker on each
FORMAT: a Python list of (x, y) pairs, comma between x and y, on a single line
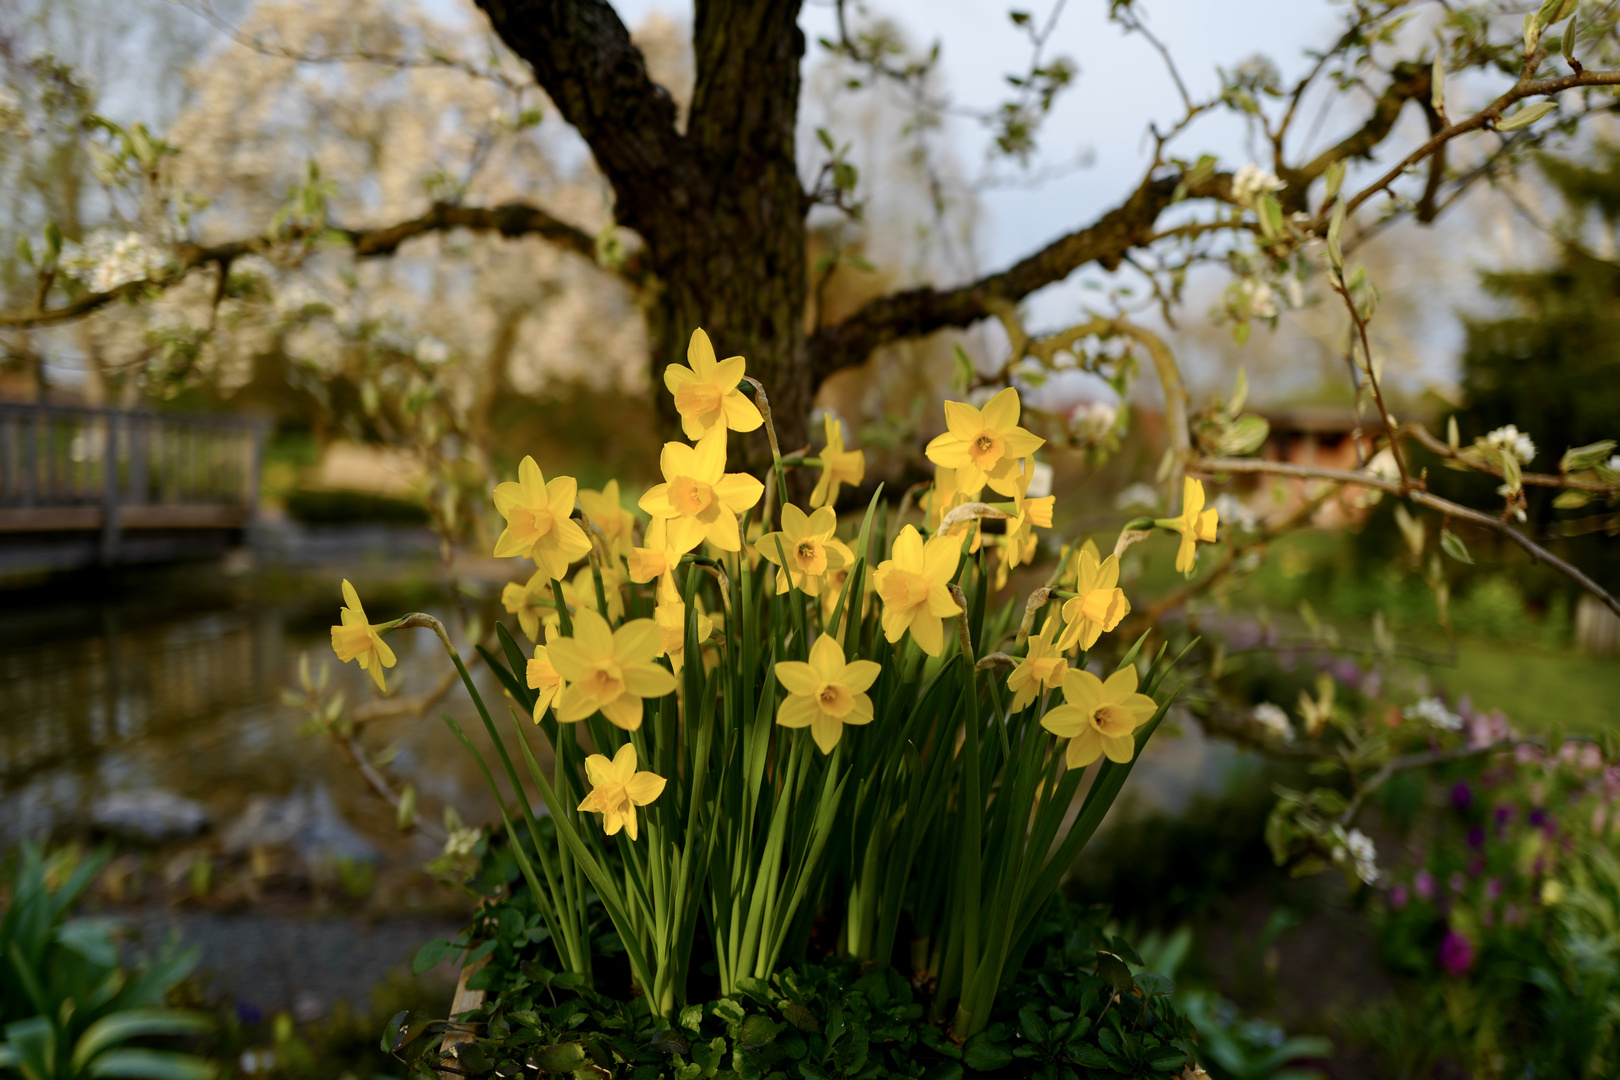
[(924, 310), (511, 219)]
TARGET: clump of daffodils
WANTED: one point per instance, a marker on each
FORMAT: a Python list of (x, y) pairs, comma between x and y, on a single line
[(732, 681)]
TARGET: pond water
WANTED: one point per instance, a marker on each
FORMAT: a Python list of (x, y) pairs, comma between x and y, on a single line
[(170, 683)]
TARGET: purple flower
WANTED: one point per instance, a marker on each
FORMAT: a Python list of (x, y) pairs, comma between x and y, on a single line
[(1493, 889), (1398, 897), (1423, 884), (1476, 837), (248, 1013), (1462, 796), (1476, 867), (1538, 817), (1456, 953)]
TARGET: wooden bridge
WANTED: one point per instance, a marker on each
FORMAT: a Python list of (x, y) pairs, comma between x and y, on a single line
[(86, 487)]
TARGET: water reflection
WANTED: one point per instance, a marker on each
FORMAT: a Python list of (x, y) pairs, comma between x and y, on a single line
[(123, 696)]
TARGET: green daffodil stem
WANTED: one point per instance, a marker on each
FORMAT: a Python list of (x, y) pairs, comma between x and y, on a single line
[(972, 825)]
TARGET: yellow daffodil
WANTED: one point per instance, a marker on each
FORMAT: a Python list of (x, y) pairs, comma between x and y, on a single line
[(1042, 666), (670, 615), (610, 516), (826, 693), (1099, 717), (609, 670), (806, 542), (1194, 524), (1031, 511), (706, 393), (544, 677), (532, 603), (584, 592), (983, 445), (838, 466), (834, 588), (699, 500), (913, 586), (617, 789), (357, 639), (657, 559), (538, 525), (1098, 604)]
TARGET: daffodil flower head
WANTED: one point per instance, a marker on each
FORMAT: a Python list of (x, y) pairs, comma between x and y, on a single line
[(983, 445), (914, 587), (838, 466), (584, 591), (1099, 604), (532, 603), (1194, 524), (617, 789), (1099, 718), (670, 615), (1029, 511), (538, 521), (608, 514), (657, 559), (609, 671), (706, 393), (544, 677), (699, 500), (357, 639), (807, 545), (1042, 666), (826, 693)]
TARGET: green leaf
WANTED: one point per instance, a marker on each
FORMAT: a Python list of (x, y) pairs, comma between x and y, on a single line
[(1335, 180), (1335, 235), (1031, 1025), (797, 1015), (1526, 116), (1571, 500), (962, 370), (133, 1064), (982, 1055), (692, 1018), (1114, 971), (1453, 546), (430, 955), (757, 1031), (559, 1057), (120, 1027)]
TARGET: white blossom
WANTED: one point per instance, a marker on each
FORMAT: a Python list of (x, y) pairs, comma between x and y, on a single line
[(1251, 182), (1361, 849), (1260, 298), (1137, 495), (430, 350), (1231, 510), (107, 260), (1091, 421), (1510, 440), (1274, 720), (1433, 711), (461, 842)]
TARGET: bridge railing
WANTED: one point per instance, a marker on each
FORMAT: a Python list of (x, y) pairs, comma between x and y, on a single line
[(66, 468)]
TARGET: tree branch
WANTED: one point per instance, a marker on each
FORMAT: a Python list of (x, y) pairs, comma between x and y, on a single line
[(924, 310), (583, 58), (511, 219), (1422, 498)]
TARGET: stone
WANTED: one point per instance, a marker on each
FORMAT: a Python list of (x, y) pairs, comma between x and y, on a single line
[(151, 817)]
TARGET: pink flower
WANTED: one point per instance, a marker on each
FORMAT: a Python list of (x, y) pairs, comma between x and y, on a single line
[(1456, 953)]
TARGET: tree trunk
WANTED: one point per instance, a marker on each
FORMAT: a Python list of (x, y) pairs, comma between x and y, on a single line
[(719, 206)]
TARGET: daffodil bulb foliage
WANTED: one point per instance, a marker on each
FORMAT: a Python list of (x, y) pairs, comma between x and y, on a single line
[(738, 708)]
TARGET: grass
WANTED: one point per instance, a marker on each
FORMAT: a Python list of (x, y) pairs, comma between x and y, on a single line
[(1536, 687)]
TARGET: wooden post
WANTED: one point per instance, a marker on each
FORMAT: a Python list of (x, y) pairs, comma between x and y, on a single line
[(109, 489)]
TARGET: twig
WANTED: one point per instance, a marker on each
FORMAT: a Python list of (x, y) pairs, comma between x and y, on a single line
[(1422, 498)]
